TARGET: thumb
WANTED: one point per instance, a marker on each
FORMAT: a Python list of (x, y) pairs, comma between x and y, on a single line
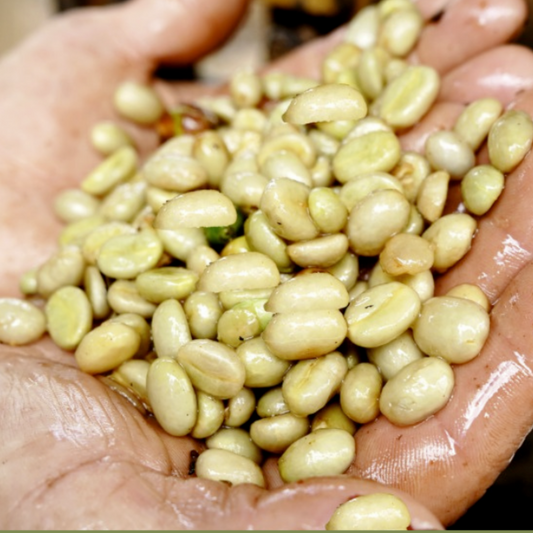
[(173, 31)]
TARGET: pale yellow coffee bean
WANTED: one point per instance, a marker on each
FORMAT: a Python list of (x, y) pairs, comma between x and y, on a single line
[(325, 452), (422, 283), (246, 89), (214, 368), (417, 391), (474, 123), (415, 225), (180, 242), (314, 291), (175, 172), (28, 282), (325, 144), (406, 254), (363, 29), (210, 416), (238, 142), (400, 31), (432, 195), (133, 375), (262, 367), (106, 347), (94, 241), (360, 391), (276, 433), (332, 417), (322, 252), (409, 97), (346, 270), (470, 292), (343, 56), (21, 322), (69, 317), (74, 204), (75, 232), (236, 326), (123, 297), (412, 169), (366, 125), (309, 385), (156, 197), (126, 256), (272, 403), (237, 441), (377, 151), (352, 192), (170, 329), (222, 106), (239, 245), (481, 187), (262, 238), (294, 141), (510, 139), (389, 212), (115, 169), (294, 85), (240, 408), (108, 137), (379, 511), (223, 465), (370, 71), (388, 7), (66, 267), (203, 310), (390, 358), (445, 150), (197, 209), (451, 237), (451, 328), (286, 164), (181, 145), (139, 324), (249, 118), (251, 270), (328, 102), (305, 334), (160, 284), (244, 188), (381, 313), (337, 128), (357, 289), (327, 210), (124, 202), (172, 397), (231, 298), (138, 102)]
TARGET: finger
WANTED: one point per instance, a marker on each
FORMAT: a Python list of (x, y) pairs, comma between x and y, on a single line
[(466, 29)]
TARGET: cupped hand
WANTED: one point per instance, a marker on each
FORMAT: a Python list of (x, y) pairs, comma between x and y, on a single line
[(75, 454)]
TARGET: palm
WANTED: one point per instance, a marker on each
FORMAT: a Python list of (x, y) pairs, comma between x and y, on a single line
[(79, 455)]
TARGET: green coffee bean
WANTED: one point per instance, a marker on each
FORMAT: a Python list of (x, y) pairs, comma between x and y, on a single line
[(21, 322)]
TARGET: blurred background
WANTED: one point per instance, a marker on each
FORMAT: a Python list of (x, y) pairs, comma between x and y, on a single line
[(270, 29)]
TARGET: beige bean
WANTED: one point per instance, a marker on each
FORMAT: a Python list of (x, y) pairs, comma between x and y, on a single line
[(276, 433), (325, 144), (249, 118), (445, 150), (262, 367), (327, 210), (65, 267), (325, 452), (481, 187), (362, 30), (400, 31), (94, 241), (138, 103), (293, 141), (203, 309), (237, 441), (360, 391), (175, 172), (315, 291), (390, 358), (432, 195), (377, 151), (257, 307), (223, 465), (124, 202), (381, 313), (108, 137), (244, 188), (197, 209), (406, 254), (370, 71), (74, 204), (305, 334), (251, 270), (510, 139), (415, 225), (357, 289), (69, 317), (332, 417), (419, 390), (321, 173), (239, 245), (180, 242), (389, 212), (388, 7), (451, 237), (180, 145), (412, 169), (126, 256), (133, 375), (115, 169), (209, 150), (139, 324), (474, 123), (123, 297), (28, 282), (222, 106), (353, 191), (76, 232), (156, 197), (172, 397), (346, 270), (337, 128), (408, 98), (371, 511), (21, 322), (366, 125), (233, 297), (286, 164), (451, 328), (470, 292), (295, 85), (422, 283), (160, 284), (240, 408), (210, 416), (309, 385), (170, 329), (322, 252), (213, 367), (272, 403), (235, 326), (106, 347), (246, 89), (394, 68), (341, 57), (238, 142)]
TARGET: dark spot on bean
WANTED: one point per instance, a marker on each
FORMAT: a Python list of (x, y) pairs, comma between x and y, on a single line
[(192, 464)]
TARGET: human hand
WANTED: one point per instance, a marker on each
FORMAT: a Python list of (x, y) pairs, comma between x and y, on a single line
[(88, 459)]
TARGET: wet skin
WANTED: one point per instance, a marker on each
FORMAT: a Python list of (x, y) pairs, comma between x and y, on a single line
[(74, 454)]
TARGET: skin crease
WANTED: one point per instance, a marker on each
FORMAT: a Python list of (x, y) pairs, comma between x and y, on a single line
[(76, 455)]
